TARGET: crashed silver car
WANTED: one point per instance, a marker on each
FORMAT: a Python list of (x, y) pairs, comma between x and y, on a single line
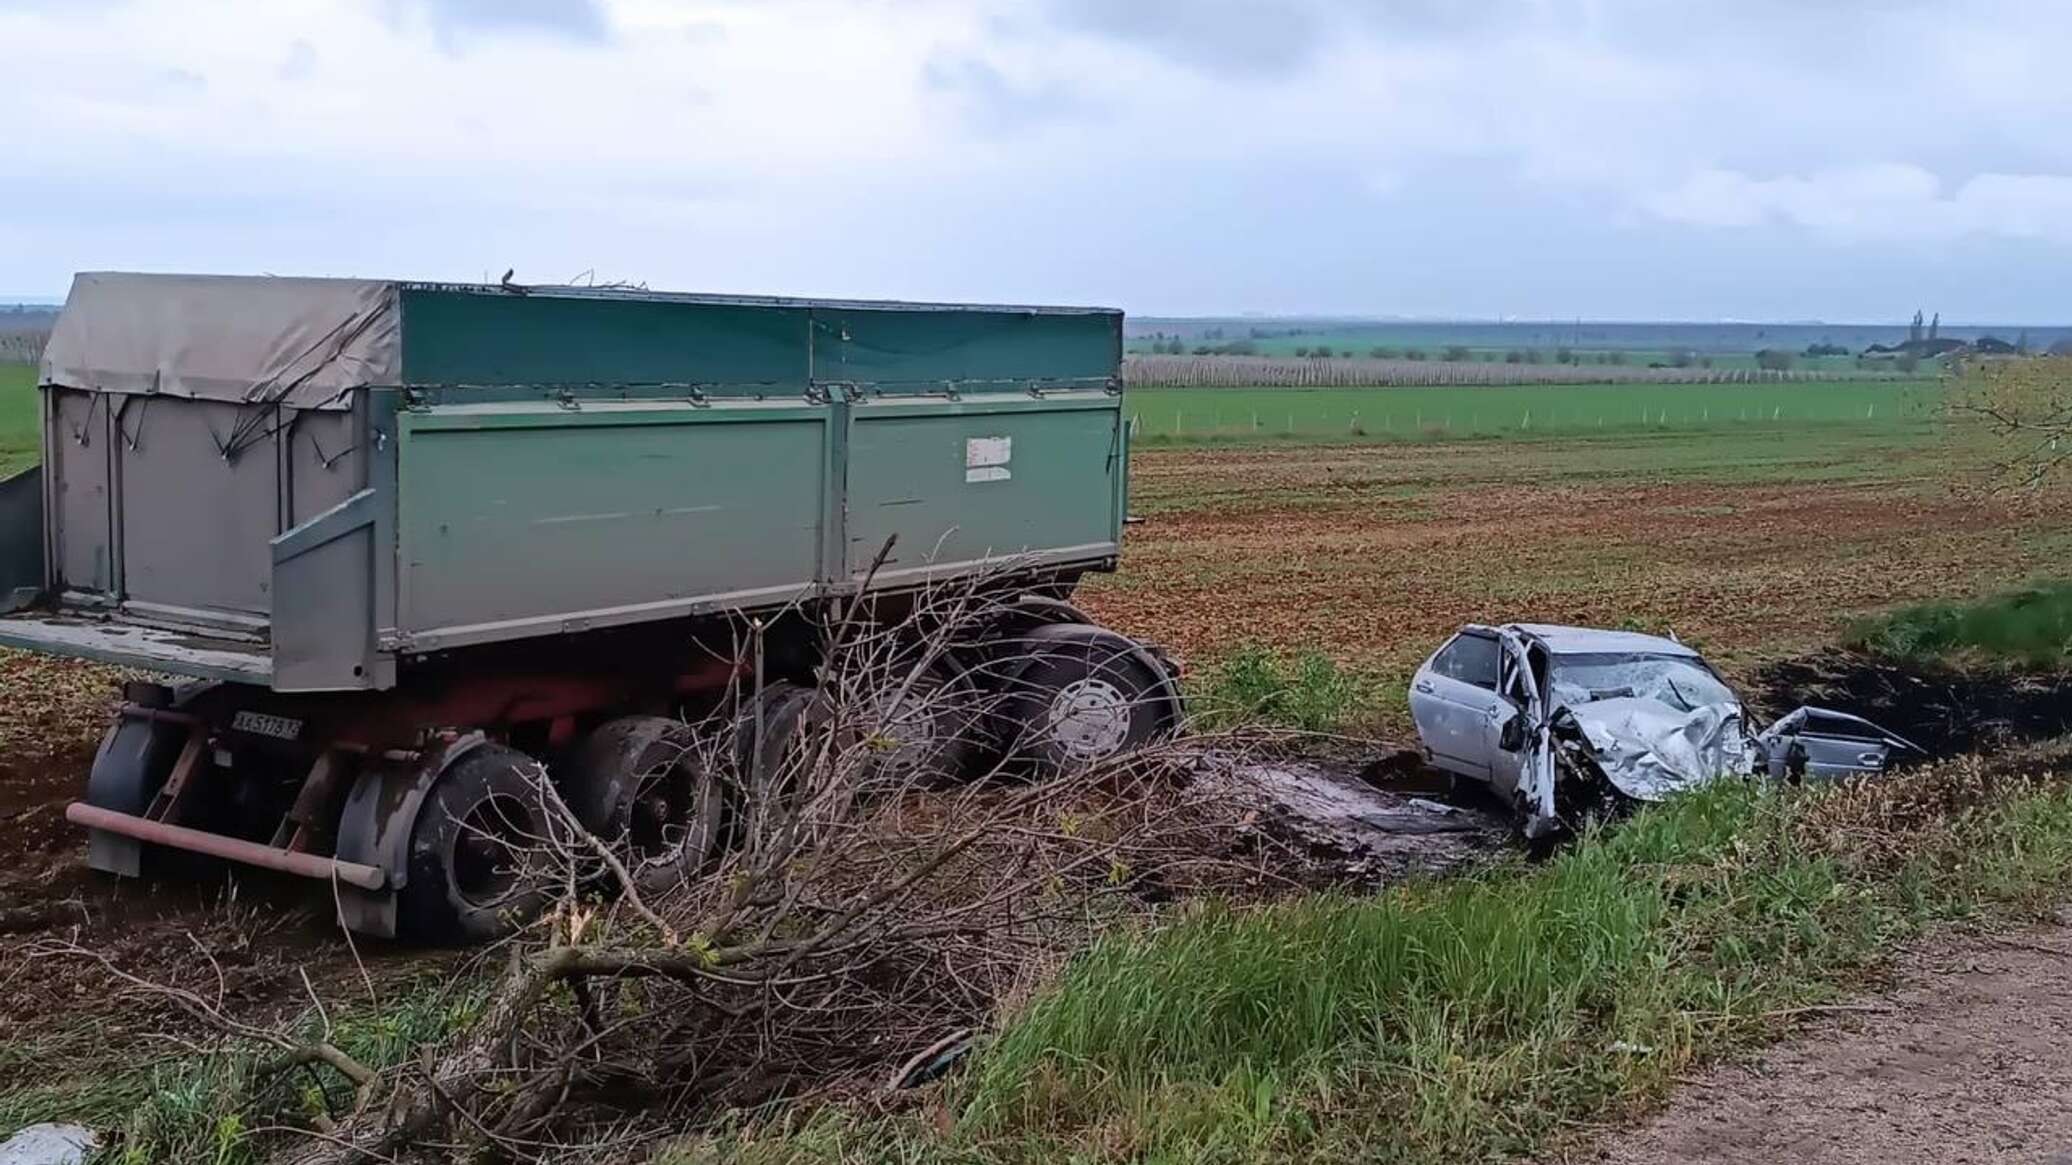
[(1565, 719)]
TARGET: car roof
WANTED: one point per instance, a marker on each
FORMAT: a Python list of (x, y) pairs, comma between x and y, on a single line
[(1561, 640)]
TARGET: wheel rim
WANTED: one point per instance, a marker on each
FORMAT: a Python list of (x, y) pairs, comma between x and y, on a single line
[(662, 811), (1090, 718), (488, 853), (909, 733)]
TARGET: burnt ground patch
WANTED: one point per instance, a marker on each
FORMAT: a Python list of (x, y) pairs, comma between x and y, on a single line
[(1945, 709)]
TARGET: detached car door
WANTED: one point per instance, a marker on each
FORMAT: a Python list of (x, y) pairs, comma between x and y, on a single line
[(1454, 701), (1820, 742)]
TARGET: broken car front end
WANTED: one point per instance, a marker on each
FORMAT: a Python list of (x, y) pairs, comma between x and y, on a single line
[(1585, 721)]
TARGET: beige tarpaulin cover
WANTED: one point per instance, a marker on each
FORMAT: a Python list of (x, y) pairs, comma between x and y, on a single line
[(244, 338)]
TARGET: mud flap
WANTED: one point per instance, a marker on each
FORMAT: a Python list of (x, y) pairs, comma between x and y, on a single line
[(135, 756), (21, 540)]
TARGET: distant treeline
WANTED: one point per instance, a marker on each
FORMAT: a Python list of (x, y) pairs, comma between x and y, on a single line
[(1267, 372), (1437, 335), (23, 345)]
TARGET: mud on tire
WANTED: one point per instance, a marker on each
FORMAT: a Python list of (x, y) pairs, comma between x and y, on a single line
[(638, 784), (472, 876), (1074, 695)]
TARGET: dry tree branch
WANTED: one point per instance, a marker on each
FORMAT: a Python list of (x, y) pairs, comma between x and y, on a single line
[(294, 1053), (864, 907)]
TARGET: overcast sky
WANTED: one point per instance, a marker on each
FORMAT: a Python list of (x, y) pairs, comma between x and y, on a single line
[(1628, 159)]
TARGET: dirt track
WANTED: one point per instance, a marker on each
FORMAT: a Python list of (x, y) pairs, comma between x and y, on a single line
[(1968, 1058)]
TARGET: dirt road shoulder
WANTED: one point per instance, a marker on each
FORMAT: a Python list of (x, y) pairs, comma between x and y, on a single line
[(1967, 1058)]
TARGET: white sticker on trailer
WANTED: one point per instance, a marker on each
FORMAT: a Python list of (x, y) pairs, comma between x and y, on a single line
[(986, 458)]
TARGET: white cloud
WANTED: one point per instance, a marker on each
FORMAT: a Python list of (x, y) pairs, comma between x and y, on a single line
[(1890, 202), (1419, 156)]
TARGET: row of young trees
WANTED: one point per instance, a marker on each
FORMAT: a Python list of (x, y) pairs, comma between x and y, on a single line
[(22, 346), (1453, 353), (1188, 371)]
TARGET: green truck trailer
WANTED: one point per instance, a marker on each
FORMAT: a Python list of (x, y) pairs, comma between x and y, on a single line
[(393, 532)]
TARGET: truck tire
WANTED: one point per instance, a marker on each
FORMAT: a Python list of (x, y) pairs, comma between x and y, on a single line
[(924, 728), (470, 878), (1074, 695), (764, 766), (638, 785)]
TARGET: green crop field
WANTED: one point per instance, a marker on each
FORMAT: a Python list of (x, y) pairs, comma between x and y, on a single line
[(19, 446), (1165, 416), (1361, 343), (1187, 416)]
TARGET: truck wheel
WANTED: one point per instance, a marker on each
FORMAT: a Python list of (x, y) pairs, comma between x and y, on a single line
[(471, 875), (1075, 695), (638, 785), (923, 728), (765, 765)]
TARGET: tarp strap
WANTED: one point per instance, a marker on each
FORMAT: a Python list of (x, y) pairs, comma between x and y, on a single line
[(272, 391)]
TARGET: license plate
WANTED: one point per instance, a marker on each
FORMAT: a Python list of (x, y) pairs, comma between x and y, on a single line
[(264, 724)]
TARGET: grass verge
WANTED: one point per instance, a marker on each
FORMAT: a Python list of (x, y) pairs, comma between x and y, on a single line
[(1474, 1018), (2030, 626), (1481, 1017), (207, 1106)]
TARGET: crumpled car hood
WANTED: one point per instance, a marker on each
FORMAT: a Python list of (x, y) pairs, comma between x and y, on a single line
[(1648, 750)]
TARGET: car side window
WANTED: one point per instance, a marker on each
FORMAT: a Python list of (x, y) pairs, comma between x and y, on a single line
[(1471, 659)]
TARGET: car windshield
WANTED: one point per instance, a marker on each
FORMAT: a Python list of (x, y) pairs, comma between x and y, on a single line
[(1677, 680)]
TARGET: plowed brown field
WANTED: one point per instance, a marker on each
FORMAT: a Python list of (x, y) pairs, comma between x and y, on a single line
[(1372, 553)]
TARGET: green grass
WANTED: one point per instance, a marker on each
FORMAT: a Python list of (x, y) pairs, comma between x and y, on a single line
[(1479, 1018), (1471, 1019), (20, 443), (204, 1107), (2030, 626), (1309, 691), (1195, 415)]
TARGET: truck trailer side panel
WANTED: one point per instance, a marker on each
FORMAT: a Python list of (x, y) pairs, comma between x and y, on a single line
[(959, 483), (306, 483), (78, 483), (607, 343), (522, 518)]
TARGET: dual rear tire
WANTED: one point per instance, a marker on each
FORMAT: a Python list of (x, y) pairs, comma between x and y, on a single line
[(478, 858), (640, 785)]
